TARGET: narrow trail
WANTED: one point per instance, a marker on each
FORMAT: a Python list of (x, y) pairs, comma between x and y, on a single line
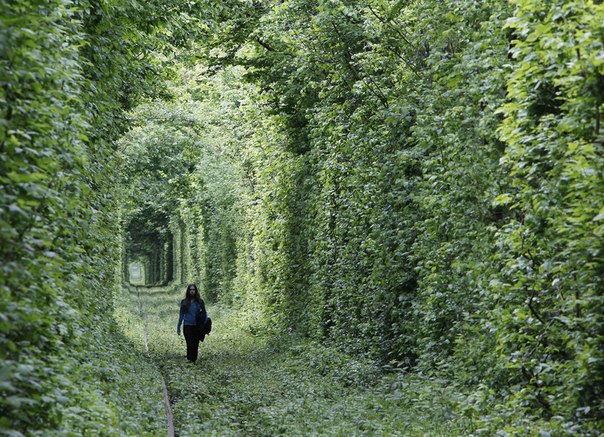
[(247, 385), (167, 406)]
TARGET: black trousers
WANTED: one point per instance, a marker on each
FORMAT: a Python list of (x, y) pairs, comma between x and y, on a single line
[(192, 339)]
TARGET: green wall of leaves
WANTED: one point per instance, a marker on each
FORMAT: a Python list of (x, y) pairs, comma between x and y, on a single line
[(425, 186), (68, 70)]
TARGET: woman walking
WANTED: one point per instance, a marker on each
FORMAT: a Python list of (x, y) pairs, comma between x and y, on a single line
[(192, 313)]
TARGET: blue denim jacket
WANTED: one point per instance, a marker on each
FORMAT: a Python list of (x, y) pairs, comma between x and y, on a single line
[(189, 317)]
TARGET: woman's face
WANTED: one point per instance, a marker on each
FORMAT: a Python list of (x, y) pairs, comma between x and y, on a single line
[(191, 291)]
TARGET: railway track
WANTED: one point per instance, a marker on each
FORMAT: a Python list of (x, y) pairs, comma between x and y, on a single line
[(167, 406)]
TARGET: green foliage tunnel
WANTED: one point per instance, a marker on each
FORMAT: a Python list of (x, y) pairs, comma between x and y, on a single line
[(415, 182)]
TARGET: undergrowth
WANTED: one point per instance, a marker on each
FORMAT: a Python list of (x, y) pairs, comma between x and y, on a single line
[(255, 385)]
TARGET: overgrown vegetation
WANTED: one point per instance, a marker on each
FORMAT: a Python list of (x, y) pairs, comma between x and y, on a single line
[(257, 385), (415, 184), (68, 71)]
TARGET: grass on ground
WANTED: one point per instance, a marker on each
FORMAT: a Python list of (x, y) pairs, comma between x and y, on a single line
[(258, 386)]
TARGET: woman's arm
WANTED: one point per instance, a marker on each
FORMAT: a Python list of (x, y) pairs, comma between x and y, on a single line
[(181, 316)]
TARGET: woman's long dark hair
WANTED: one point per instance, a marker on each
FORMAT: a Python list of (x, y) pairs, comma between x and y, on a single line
[(186, 302)]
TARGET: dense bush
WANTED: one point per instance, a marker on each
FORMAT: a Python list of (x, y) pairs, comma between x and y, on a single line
[(67, 73), (424, 183)]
